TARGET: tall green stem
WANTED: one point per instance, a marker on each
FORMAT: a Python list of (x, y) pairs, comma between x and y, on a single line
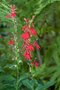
[(16, 51)]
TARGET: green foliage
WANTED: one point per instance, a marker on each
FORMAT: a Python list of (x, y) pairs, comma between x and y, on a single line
[(53, 59), (43, 4), (47, 24)]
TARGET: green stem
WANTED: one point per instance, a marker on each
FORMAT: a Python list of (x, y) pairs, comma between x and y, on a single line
[(16, 51)]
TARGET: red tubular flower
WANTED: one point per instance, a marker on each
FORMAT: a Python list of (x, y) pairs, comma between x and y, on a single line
[(11, 42), (25, 27), (25, 36), (27, 55), (7, 16), (30, 48), (25, 43), (36, 45), (33, 32), (35, 63), (13, 15), (12, 8)]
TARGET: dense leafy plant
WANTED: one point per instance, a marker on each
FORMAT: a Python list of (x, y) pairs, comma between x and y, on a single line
[(42, 72)]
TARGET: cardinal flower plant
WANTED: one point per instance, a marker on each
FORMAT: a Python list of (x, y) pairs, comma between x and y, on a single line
[(28, 32), (28, 47)]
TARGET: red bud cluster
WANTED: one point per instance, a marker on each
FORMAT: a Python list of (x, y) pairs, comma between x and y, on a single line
[(12, 13)]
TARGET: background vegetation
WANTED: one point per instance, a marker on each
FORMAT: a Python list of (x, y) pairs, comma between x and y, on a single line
[(47, 25)]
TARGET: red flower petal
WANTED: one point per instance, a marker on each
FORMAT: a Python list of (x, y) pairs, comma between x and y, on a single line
[(27, 55), (11, 42), (25, 36), (35, 63), (12, 7), (7, 16), (36, 45), (13, 15), (25, 28), (33, 32), (30, 48)]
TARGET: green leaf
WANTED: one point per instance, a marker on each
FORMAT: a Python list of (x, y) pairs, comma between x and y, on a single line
[(42, 4), (45, 86), (28, 84)]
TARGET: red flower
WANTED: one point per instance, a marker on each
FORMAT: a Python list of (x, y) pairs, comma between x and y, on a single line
[(27, 55), (36, 45), (7, 16), (12, 8), (25, 36), (24, 27), (25, 43), (33, 32), (30, 48), (11, 42), (35, 63), (28, 31), (13, 15)]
